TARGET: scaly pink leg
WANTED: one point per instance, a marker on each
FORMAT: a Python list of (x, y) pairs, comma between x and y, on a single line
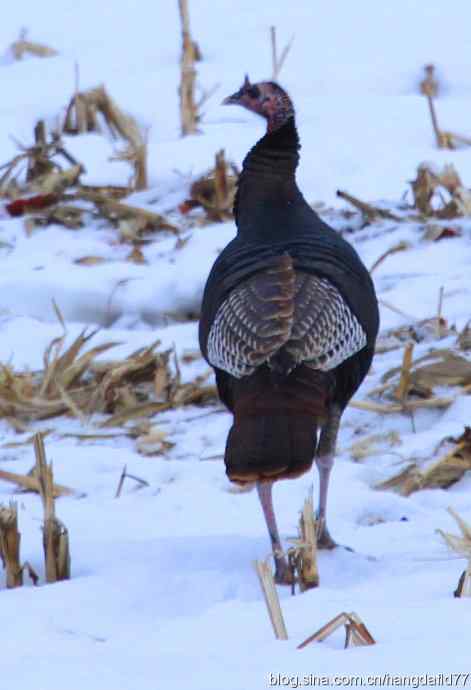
[(325, 461), (283, 574)]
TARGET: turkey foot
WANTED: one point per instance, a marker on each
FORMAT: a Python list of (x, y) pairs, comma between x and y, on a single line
[(324, 540), (324, 461), (283, 573)]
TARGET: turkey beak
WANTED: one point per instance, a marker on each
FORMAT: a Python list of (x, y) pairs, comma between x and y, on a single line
[(231, 100)]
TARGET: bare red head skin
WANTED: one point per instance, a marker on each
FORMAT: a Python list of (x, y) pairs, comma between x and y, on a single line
[(265, 98)]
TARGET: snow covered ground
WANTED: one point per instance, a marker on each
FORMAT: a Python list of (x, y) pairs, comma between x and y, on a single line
[(163, 592)]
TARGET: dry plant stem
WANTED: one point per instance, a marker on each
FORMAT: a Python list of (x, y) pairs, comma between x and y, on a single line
[(433, 117), (441, 474), (39, 163), (79, 105), (445, 367), (274, 56), (464, 527), (429, 403), (121, 482), (44, 177), (31, 572), (278, 62), (459, 138), (32, 484), (220, 180), (429, 85), (138, 480), (23, 47), (141, 385), (81, 116), (445, 140), (308, 572), (44, 474), (325, 631), (399, 247), (284, 55), (122, 211), (371, 445), (215, 191), (10, 540), (55, 535), (396, 310), (463, 588), (26, 442), (206, 95), (125, 475), (357, 634), (124, 125), (403, 388), (369, 212), (128, 129), (439, 312), (188, 109), (464, 338), (272, 601), (461, 545), (56, 181)]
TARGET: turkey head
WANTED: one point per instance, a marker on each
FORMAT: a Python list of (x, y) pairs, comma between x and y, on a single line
[(266, 98)]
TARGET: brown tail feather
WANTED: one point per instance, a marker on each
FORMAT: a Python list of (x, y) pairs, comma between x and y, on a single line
[(275, 425), (274, 446)]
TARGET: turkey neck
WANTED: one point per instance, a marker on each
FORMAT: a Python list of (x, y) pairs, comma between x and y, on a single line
[(268, 202)]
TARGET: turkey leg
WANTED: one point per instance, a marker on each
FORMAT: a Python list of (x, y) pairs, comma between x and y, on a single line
[(325, 460), (283, 574)]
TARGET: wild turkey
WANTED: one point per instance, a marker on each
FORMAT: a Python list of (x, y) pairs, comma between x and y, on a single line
[(289, 321)]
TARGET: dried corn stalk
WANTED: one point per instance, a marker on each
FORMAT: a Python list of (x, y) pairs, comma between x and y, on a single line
[(278, 60), (442, 367), (372, 445), (399, 247), (214, 191), (83, 115), (23, 47), (55, 534), (125, 475), (403, 388), (188, 107), (153, 442), (73, 382), (272, 601), (45, 176), (464, 338), (31, 483), (10, 539), (132, 221), (429, 85), (429, 183), (461, 545), (441, 474), (303, 556), (370, 213), (444, 139), (356, 632)]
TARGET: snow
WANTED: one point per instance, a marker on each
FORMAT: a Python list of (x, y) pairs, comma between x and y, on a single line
[(163, 593)]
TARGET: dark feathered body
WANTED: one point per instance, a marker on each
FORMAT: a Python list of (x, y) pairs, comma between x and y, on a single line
[(289, 318)]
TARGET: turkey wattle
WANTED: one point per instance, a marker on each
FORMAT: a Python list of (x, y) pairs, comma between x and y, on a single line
[(289, 321)]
